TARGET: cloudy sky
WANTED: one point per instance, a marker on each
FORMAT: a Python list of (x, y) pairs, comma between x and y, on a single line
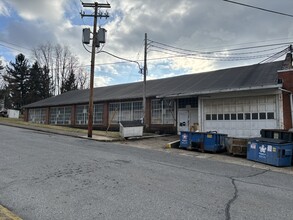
[(184, 37)]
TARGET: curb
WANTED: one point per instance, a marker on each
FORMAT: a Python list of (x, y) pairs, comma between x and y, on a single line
[(50, 131), (5, 214)]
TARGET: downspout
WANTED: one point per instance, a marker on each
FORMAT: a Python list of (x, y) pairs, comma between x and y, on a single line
[(291, 103)]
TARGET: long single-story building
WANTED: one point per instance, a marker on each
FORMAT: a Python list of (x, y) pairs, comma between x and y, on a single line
[(237, 101)]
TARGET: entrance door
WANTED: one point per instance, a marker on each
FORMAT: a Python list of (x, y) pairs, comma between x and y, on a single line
[(183, 121)]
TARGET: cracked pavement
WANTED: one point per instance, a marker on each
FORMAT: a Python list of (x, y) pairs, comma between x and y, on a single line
[(48, 176)]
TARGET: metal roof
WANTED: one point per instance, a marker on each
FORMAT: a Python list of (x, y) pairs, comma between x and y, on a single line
[(232, 79)]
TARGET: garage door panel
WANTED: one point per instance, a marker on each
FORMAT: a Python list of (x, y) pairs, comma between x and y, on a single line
[(242, 126)]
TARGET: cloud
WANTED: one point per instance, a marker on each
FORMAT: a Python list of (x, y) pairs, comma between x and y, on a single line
[(190, 24), (51, 11), (101, 81), (3, 9)]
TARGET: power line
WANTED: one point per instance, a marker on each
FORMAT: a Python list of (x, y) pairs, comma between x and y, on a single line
[(220, 51), (121, 58), (209, 57), (262, 9), (218, 54)]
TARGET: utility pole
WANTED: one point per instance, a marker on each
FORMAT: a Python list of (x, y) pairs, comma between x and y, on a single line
[(95, 5), (144, 78)]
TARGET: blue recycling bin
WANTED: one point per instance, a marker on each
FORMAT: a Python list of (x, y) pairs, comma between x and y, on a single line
[(204, 141), (191, 140), (270, 151), (185, 139), (214, 142)]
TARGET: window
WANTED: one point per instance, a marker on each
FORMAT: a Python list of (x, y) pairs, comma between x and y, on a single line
[(220, 116), (233, 116), (98, 113), (81, 115), (227, 116), (254, 116), (168, 112), (262, 115), (162, 112), (192, 102), (208, 117), (60, 115), (137, 111), (214, 116), (247, 116), (125, 111), (240, 116), (114, 109), (270, 115), (37, 115)]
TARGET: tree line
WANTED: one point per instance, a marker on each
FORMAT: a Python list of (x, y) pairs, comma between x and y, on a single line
[(55, 70)]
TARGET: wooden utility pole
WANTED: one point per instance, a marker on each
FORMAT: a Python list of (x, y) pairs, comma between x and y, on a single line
[(96, 5), (144, 78)]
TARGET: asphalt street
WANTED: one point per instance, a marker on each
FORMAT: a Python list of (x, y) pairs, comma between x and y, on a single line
[(48, 176)]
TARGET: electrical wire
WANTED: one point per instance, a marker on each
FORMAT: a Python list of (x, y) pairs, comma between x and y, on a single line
[(262, 9), (121, 58), (220, 51), (210, 57), (223, 54)]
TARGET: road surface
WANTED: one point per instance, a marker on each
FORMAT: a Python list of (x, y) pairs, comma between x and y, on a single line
[(47, 176)]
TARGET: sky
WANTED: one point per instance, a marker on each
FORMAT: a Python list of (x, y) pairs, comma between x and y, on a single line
[(184, 37)]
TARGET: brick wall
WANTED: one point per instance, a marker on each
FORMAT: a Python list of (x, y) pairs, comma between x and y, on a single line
[(287, 78)]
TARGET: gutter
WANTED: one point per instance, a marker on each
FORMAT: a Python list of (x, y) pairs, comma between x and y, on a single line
[(291, 103), (278, 86)]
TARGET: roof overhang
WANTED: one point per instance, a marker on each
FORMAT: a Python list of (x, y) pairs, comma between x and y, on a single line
[(198, 93)]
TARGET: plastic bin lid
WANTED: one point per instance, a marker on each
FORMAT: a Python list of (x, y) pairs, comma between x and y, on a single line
[(269, 140), (131, 123)]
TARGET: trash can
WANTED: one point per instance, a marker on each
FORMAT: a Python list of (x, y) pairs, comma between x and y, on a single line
[(185, 140), (214, 141), (277, 134), (131, 129), (270, 151), (197, 141), (191, 140)]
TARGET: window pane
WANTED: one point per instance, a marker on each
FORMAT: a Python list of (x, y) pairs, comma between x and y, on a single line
[(156, 112), (254, 116), (220, 116), (270, 115), (262, 115), (247, 116), (98, 113), (227, 116), (240, 116), (208, 117), (233, 116), (126, 110), (214, 117), (81, 117), (137, 111), (114, 109)]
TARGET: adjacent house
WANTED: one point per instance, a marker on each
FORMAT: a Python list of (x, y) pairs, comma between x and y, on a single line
[(237, 101)]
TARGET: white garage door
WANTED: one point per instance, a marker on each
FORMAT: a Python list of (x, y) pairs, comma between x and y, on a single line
[(240, 117)]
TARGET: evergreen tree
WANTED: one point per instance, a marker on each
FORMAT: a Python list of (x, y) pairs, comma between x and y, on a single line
[(16, 78), (46, 88), (39, 83), (34, 83), (69, 83)]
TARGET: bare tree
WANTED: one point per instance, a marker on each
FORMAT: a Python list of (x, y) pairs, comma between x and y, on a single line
[(2, 83), (82, 78), (59, 60)]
